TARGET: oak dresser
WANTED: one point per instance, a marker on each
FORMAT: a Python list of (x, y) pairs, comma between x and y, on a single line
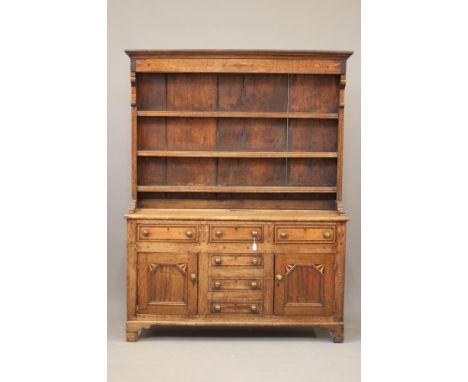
[(236, 217)]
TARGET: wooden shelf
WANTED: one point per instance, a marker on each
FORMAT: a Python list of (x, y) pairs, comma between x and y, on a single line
[(237, 189), (234, 114), (236, 154)]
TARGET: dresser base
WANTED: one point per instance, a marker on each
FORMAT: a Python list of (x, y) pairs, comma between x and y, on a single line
[(258, 268)]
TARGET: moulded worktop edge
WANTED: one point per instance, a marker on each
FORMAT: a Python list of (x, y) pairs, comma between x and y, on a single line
[(237, 214)]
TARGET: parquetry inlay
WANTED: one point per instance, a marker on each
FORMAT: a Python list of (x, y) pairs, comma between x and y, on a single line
[(152, 266), (289, 268), (183, 267), (320, 267)]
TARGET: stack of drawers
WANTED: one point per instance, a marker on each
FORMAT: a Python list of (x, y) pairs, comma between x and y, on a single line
[(236, 280)]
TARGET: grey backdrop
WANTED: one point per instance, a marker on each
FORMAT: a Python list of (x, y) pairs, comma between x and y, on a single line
[(217, 24)]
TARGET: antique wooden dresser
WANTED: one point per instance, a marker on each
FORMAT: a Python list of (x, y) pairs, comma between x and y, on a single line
[(236, 216)]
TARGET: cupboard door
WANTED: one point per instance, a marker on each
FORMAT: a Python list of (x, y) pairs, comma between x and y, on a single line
[(304, 284), (167, 283)]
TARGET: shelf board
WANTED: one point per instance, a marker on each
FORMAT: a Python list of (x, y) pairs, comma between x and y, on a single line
[(234, 114), (236, 154), (237, 189)]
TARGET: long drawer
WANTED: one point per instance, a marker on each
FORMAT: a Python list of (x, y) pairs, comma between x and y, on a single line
[(236, 232), (168, 233), (305, 233)]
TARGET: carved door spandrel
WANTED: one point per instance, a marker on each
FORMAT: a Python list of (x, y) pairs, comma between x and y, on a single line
[(167, 283), (304, 284)]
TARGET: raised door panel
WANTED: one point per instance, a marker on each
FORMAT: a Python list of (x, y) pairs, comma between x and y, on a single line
[(304, 284), (167, 283)]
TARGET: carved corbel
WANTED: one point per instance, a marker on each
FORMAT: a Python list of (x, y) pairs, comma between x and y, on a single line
[(342, 88), (133, 83)]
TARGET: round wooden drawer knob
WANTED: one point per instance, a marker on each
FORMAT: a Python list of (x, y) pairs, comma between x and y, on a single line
[(254, 261), (218, 233), (189, 234), (145, 233), (217, 308), (327, 234), (218, 261), (217, 285), (283, 235), (254, 233), (253, 308), (254, 285)]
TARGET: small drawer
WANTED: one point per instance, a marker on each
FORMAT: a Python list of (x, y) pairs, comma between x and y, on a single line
[(224, 284), (174, 233), (235, 233), (304, 234), (237, 260), (254, 307)]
